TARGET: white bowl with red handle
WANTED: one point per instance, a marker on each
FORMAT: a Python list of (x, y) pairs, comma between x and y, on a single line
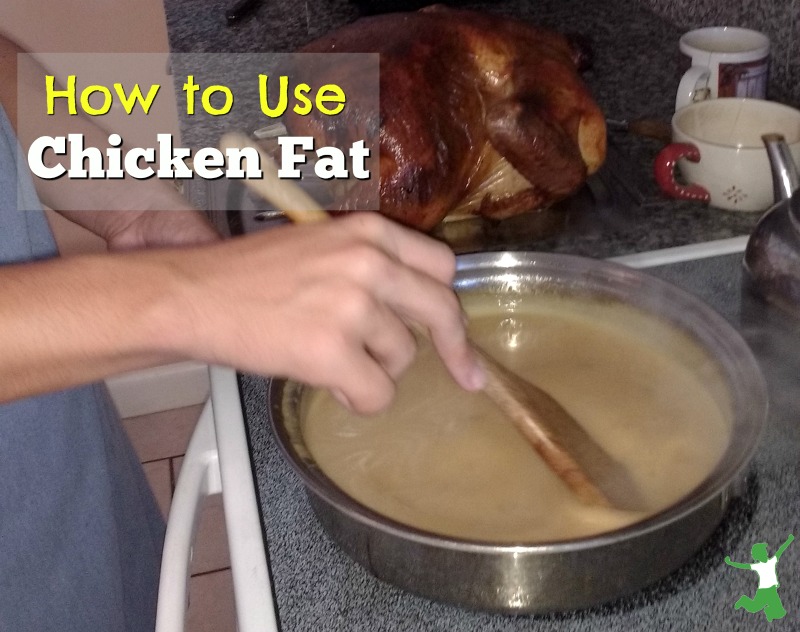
[(719, 154)]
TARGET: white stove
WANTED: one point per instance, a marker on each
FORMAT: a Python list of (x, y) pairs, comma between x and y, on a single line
[(218, 461)]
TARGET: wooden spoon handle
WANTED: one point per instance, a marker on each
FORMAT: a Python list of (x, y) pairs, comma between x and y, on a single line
[(502, 388), (541, 419), (295, 203)]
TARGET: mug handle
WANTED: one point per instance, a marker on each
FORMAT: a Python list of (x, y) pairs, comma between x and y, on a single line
[(664, 171), (693, 86)]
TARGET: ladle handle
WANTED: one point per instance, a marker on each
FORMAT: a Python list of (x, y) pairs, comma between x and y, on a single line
[(785, 179)]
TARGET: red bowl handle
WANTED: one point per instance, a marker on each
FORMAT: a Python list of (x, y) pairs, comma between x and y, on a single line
[(664, 171)]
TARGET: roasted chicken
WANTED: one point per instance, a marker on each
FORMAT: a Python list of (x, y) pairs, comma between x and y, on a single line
[(479, 114)]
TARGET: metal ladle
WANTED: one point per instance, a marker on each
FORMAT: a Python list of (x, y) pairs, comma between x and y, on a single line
[(772, 255), (568, 450)]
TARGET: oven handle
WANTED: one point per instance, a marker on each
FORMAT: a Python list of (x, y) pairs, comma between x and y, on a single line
[(199, 477), (217, 461)]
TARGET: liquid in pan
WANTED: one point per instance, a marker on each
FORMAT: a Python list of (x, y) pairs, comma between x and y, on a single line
[(448, 462)]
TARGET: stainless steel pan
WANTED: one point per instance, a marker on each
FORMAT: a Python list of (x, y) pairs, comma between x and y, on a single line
[(552, 576)]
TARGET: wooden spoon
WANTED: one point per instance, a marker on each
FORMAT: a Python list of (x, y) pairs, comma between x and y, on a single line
[(560, 440)]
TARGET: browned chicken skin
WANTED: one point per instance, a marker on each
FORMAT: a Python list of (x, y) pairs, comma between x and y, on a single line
[(478, 114)]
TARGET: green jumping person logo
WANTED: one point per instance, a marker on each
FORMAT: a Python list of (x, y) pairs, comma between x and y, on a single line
[(766, 597)]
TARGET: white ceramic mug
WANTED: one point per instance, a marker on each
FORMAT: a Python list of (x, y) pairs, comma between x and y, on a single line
[(726, 61), (718, 149)]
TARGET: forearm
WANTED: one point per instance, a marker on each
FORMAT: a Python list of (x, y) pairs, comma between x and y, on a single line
[(327, 304), (69, 322), (69, 194), (22, 94)]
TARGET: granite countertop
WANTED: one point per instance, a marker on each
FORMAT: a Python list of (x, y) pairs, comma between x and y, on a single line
[(317, 587), (635, 74)]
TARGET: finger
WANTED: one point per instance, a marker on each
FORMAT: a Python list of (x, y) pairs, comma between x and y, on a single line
[(389, 341), (410, 247), (453, 347), (371, 330), (362, 384), (435, 307)]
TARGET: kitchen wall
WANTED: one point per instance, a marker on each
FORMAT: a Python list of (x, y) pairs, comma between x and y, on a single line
[(776, 18)]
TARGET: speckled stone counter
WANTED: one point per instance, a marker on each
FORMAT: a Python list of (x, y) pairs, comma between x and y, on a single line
[(317, 587), (775, 18), (635, 75)]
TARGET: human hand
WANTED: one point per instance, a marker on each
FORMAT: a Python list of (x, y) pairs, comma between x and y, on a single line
[(136, 229), (327, 304), (154, 229)]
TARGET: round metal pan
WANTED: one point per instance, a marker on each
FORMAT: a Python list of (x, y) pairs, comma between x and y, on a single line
[(561, 575)]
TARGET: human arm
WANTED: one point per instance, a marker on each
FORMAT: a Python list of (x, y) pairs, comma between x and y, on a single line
[(784, 546), (23, 96), (131, 230), (324, 304), (736, 564), (327, 305), (145, 213)]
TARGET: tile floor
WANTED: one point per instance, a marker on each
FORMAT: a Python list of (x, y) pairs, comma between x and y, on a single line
[(160, 440)]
